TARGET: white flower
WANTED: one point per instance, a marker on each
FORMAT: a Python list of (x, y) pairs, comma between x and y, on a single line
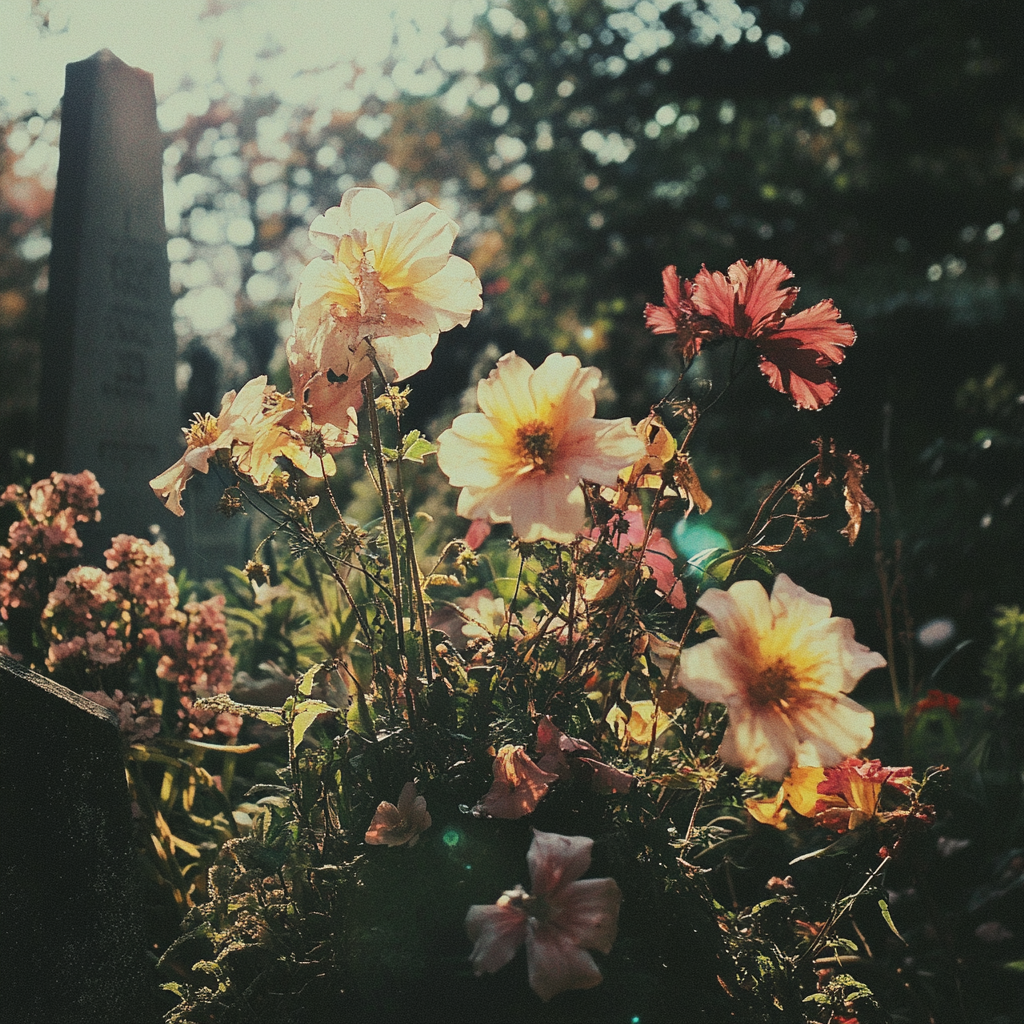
[(390, 280), (783, 667), (522, 457)]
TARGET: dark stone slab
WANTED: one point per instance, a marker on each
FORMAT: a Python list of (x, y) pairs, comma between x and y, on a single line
[(108, 400), (71, 946)]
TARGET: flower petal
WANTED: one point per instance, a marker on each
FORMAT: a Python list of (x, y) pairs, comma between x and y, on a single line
[(497, 932), (555, 963), (764, 744), (547, 506), (555, 860), (519, 785)]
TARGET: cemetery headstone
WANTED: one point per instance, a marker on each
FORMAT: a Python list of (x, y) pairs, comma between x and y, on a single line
[(71, 944), (108, 400)]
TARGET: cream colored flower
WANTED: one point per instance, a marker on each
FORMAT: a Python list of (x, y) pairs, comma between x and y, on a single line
[(390, 280), (783, 667), (522, 457), (240, 415)]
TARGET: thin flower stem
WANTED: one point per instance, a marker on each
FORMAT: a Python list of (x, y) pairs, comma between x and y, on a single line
[(389, 518), (415, 584)]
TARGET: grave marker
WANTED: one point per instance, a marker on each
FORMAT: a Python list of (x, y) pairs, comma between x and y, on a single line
[(71, 944), (108, 400)]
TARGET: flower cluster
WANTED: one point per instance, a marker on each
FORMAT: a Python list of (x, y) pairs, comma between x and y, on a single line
[(107, 617), (44, 534), (388, 288), (199, 662)]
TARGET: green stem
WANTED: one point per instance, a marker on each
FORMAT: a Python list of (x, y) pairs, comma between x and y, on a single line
[(389, 517)]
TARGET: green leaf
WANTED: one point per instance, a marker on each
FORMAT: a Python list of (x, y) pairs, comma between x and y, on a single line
[(306, 680), (415, 446), (354, 720), (391, 454), (884, 907), (761, 561), (305, 715)]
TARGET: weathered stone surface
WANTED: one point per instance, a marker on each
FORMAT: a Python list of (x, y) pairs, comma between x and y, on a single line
[(71, 946), (108, 400)]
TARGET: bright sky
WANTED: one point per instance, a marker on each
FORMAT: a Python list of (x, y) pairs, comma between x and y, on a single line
[(300, 50)]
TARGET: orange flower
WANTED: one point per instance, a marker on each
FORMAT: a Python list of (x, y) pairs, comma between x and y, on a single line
[(799, 789), (783, 667), (518, 786), (401, 825), (559, 919), (390, 281), (522, 457)]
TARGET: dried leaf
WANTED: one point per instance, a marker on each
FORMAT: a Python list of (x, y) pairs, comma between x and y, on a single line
[(857, 502), (687, 481)]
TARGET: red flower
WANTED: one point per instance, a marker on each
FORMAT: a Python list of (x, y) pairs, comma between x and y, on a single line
[(678, 316), (798, 351), (938, 699)]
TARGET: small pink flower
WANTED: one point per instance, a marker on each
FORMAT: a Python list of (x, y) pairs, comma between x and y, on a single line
[(559, 920), (518, 786), (401, 825)]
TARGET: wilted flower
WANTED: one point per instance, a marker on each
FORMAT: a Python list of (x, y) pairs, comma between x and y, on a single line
[(799, 789), (658, 555), (522, 457), (401, 825), (390, 280), (678, 316), (559, 919), (518, 785), (636, 728), (568, 757), (783, 667), (851, 792)]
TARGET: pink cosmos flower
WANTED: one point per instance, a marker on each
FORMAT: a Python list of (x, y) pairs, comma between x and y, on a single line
[(522, 457), (678, 316), (783, 667), (518, 785), (391, 281), (798, 351), (558, 920), (401, 825)]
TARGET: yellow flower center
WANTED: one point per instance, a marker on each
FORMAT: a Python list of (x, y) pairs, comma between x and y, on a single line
[(534, 445), (203, 430), (776, 683)]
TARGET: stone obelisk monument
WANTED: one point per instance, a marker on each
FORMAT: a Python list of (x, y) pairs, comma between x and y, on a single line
[(108, 400)]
